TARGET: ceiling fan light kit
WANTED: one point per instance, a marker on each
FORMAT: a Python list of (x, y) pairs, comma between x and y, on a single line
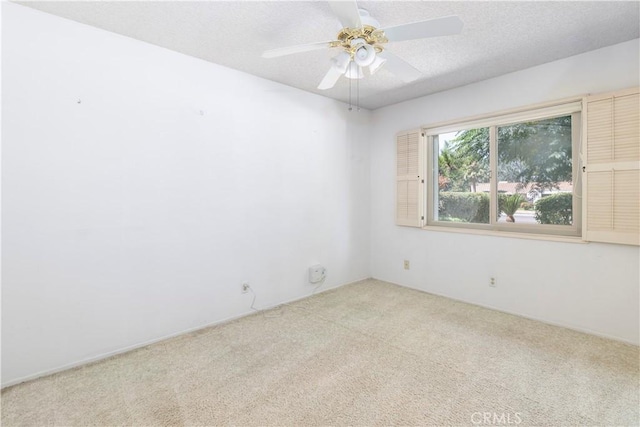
[(361, 40), (364, 54), (341, 61), (377, 63)]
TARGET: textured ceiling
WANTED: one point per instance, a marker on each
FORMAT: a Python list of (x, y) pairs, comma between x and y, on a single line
[(498, 37)]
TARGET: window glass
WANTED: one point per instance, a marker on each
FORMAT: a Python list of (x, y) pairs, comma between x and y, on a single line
[(535, 184), (463, 169)]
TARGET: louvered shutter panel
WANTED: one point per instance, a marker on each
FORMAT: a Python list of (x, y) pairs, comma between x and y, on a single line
[(612, 168), (408, 182)]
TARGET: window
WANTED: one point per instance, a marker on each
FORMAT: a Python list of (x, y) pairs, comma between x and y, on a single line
[(529, 171), (462, 164), (507, 173)]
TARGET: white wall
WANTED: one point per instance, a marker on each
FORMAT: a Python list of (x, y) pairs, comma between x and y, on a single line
[(129, 216), (590, 287)]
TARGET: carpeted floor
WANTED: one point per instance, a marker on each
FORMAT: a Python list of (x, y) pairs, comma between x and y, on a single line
[(370, 353)]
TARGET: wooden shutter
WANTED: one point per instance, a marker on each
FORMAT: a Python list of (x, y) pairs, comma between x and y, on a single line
[(408, 179), (612, 168)]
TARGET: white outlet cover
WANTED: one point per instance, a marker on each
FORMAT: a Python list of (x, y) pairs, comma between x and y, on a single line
[(317, 273)]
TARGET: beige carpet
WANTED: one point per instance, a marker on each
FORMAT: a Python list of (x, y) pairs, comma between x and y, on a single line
[(370, 353)]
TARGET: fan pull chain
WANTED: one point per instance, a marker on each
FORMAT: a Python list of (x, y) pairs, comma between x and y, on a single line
[(358, 94), (350, 103)]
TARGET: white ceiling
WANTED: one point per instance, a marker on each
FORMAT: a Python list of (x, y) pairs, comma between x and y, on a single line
[(498, 37)]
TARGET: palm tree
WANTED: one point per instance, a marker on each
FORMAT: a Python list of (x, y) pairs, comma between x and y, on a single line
[(473, 173), (511, 205)]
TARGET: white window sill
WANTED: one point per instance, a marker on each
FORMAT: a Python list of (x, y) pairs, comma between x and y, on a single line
[(515, 235)]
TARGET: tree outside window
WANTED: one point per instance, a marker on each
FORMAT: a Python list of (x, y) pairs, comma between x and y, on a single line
[(534, 163)]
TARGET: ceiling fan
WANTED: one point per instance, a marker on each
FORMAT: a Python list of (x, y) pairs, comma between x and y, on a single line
[(361, 43)]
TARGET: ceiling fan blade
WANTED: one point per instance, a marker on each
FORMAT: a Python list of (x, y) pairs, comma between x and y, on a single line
[(400, 67), (347, 13), (289, 50), (330, 78), (446, 26)]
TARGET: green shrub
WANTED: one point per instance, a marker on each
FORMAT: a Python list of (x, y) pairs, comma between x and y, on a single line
[(463, 207), (555, 209), (527, 206)]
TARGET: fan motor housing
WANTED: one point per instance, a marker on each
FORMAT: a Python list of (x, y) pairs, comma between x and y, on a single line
[(369, 34)]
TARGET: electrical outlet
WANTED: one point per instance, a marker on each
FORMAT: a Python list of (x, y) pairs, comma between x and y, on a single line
[(245, 287), (492, 282), (406, 264)]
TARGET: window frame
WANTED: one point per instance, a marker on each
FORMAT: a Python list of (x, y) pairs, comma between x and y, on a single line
[(571, 107)]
